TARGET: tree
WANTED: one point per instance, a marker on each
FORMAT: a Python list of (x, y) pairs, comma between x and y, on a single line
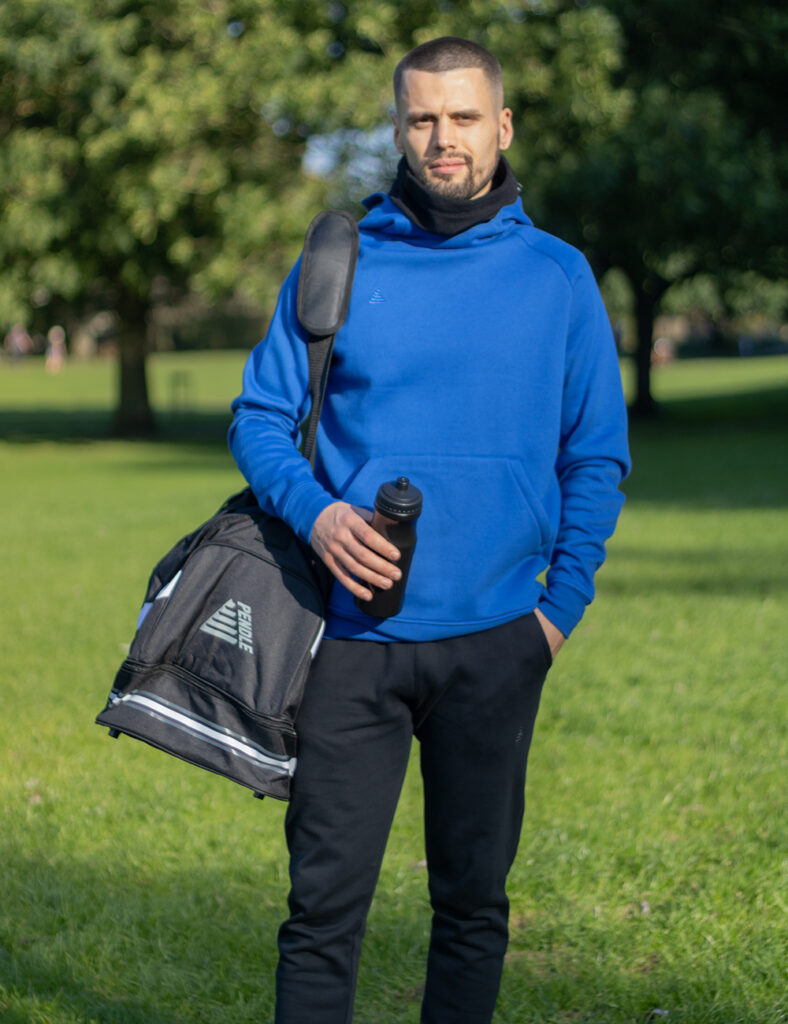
[(650, 135), (137, 161), (152, 149), (692, 179), (557, 59)]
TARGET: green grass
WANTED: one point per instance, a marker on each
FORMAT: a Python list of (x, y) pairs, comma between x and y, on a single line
[(652, 871)]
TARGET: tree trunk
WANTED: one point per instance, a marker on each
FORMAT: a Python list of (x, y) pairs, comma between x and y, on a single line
[(647, 295), (133, 413)]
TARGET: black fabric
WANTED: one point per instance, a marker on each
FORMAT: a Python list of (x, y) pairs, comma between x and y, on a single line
[(472, 702), (442, 216), (325, 284), (328, 263), (319, 353), (216, 670), (241, 745)]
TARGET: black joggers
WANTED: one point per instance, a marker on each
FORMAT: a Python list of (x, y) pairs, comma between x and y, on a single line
[(471, 701)]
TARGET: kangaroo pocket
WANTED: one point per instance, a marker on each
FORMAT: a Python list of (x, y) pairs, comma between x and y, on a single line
[(482, 534)]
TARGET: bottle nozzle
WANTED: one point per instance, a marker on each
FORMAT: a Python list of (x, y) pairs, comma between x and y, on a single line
[(398, 499)]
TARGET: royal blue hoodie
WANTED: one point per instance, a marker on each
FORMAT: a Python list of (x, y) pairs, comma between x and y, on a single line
[(483, 368)]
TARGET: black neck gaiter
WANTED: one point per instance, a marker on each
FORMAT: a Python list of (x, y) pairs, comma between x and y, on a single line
[(439, 215)]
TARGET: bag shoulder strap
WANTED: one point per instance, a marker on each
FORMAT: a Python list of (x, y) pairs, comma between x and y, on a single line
[(325, 283)]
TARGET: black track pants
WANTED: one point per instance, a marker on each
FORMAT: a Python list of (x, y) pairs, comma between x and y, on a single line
[(471, 701)]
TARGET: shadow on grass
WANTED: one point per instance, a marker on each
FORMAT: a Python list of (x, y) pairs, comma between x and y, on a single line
[(734, 409), (112, 945), (724, 451), (714, 452), (759, 572), (120, 946), (85, 425)]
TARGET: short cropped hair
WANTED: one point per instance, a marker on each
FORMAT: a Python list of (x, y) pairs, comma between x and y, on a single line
[(447, 54)]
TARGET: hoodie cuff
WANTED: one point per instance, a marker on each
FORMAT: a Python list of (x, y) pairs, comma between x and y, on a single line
[(303, 506), (563, 606)]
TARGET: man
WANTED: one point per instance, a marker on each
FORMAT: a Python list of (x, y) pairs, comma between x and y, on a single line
[(477, 360)]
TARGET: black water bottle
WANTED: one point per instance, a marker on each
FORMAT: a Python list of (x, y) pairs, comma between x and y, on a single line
[(397, 507)]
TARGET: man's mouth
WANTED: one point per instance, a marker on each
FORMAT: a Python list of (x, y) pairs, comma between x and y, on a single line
[(448, 165)]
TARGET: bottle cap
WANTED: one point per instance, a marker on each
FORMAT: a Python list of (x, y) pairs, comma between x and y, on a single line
[(399, 499)]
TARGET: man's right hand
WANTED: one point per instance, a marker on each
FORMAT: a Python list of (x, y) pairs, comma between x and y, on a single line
[(354, 552)]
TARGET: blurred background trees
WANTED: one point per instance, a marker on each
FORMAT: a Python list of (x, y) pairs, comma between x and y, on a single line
[(692, 180), (138, 165), (155, 151)]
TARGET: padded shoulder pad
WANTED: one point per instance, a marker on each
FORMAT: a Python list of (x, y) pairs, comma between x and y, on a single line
[(328, 264)]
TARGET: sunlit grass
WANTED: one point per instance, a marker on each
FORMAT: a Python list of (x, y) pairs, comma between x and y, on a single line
[(652, 871)]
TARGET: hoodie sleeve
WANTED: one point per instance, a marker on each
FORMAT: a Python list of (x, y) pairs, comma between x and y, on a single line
[(593, 457), (264, 434)]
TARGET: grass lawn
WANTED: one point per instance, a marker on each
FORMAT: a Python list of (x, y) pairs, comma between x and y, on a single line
[(651, 879)]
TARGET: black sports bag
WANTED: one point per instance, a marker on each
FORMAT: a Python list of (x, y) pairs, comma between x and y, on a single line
[(234, 613)]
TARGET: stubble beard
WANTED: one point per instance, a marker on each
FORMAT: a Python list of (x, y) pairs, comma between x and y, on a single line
[(448, 187)]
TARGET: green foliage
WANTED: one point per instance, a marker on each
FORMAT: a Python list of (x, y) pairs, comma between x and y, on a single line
[(745, 295), (693, 179), (649, 135), (557, 61), (689, 180), (160, 143), (154, 149), (651, 873), (136, 153)]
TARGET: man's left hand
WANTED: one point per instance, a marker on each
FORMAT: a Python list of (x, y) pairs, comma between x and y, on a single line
[(555, 637)]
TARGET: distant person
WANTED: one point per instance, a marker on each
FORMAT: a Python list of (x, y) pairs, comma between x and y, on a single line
[(477, 359), (56, 349), (18, 343)]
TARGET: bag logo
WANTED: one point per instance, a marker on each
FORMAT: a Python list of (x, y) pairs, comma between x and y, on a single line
[(233, 624)]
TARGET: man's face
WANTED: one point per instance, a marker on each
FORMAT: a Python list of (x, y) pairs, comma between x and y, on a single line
[(451, 129)]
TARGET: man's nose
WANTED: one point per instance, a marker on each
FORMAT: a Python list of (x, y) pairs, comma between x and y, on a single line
[(444, 133)]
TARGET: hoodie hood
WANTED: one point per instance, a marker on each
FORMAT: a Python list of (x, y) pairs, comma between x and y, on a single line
[(386, 218)]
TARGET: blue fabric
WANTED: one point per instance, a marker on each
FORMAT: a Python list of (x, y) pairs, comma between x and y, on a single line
[(482, 367)]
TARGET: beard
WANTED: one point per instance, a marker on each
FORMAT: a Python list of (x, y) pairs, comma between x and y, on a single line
[(470, 184)]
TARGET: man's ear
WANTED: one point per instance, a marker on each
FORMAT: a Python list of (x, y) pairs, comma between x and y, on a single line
[(397, 142), (505, 129)]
